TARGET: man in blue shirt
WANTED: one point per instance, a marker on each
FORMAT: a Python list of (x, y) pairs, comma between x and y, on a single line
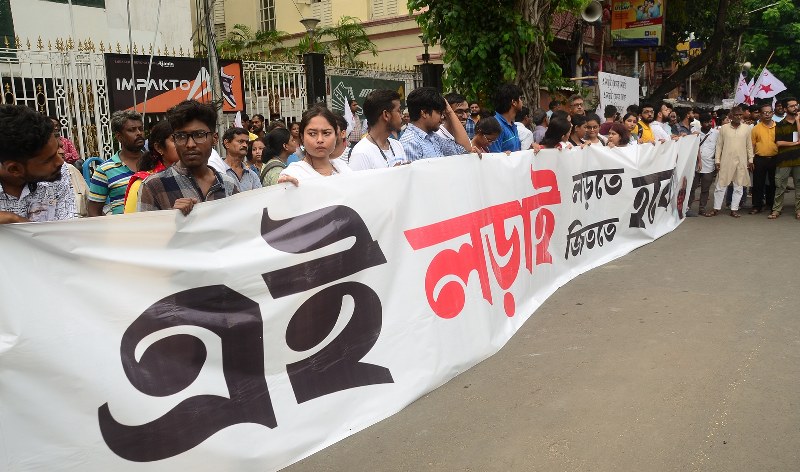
[(427, 109), (507, 103)]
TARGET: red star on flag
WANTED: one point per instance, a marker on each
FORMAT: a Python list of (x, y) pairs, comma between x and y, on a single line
[(748, 99), (766, 88)]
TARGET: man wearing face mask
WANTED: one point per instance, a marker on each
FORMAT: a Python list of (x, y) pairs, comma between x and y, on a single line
[(34, 181)]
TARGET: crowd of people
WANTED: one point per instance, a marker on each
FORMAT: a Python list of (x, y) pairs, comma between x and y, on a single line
[(178, 166)]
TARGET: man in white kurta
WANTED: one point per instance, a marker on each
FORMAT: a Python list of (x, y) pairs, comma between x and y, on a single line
[(734, 157)]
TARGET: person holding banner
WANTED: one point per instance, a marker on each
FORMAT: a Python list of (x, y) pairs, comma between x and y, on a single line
[(319, 129), (619, 136), (191, 180), (34, 180)]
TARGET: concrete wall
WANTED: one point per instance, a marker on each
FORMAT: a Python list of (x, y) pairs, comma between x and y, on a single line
[(50, 21)]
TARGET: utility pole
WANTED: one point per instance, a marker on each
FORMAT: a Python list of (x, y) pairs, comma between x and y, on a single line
[(213, 68)]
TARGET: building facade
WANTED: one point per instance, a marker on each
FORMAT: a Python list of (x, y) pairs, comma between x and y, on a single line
[(98, 20), (388, 23)]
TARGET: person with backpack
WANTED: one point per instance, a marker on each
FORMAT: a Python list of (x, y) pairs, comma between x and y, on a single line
[(280, 144)]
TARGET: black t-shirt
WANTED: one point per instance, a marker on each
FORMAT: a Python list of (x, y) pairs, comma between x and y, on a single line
[(784, 132)]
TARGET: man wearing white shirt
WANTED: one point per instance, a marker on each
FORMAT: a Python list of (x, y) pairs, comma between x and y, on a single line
[(523, 122), (377, 150), (705, 170)]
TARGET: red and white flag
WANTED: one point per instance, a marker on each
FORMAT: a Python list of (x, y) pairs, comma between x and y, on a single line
[(767, 85), (743, 91)]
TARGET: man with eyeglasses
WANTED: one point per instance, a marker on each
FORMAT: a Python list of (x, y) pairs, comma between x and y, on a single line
[(786, 137), (576, 105), (765, 149), (190, 180)]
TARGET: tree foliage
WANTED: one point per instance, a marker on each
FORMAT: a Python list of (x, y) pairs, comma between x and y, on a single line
[(242, 40), (743, 35), (342, 43), (348, 40), (777, 29), (488, 43)]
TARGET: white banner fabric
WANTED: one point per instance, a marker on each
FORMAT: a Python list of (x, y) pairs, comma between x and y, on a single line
[(267, 326), (618, 90)]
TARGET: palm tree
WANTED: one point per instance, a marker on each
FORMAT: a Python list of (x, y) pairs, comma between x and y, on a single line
[(349, 39), (242, 40)]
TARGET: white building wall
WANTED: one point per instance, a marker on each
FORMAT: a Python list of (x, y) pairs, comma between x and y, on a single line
[(51, 21)]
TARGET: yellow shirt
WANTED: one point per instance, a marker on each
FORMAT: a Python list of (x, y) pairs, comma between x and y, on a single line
[(133, 196), (764, 140), (647, 133)]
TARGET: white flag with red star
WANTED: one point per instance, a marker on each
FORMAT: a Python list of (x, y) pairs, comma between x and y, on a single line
[(743, 91), (767, 85)]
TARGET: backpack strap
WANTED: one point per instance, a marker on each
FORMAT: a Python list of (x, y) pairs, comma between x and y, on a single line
[(271, 164)]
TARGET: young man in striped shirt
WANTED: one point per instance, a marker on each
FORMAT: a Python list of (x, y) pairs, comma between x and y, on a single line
[(110, 179)]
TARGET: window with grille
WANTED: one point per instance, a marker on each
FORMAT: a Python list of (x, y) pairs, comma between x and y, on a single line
[(268, 15)]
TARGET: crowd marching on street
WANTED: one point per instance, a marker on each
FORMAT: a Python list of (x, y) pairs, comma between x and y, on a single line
[(746, 151)]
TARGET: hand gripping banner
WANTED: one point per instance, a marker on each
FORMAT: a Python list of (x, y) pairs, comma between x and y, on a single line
[(267, 326)]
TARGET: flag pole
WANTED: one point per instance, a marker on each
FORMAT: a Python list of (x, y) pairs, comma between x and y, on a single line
[(758, 80)]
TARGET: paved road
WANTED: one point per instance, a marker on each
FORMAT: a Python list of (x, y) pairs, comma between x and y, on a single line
[(684, 355)]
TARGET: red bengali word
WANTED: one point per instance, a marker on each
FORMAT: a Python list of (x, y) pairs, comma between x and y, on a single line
[(451, 264)]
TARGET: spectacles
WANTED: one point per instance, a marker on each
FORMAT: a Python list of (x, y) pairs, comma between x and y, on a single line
[(198, 136)]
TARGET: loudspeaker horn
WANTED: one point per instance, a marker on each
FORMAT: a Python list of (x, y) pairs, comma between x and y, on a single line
[(592, 12)]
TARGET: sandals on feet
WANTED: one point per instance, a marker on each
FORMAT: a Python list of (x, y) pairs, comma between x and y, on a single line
[(774, 215), (711, 213), (755, 211), (735, 214)]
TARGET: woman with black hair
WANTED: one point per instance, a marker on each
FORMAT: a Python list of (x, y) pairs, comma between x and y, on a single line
[(557, 134), (578, 133), (280, 144), (162, 154), (319, 130), (487, 131), (255, 149)]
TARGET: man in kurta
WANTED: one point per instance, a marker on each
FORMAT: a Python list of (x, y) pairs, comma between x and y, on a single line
[(734, 157)]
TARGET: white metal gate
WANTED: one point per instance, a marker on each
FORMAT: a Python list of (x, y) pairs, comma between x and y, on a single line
[(66, 83)]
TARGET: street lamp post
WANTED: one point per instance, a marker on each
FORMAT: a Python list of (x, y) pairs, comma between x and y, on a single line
[(315, 66), (431, 73)]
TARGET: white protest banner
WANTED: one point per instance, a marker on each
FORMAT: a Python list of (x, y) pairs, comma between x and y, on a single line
[(267, 326), (618, 90)]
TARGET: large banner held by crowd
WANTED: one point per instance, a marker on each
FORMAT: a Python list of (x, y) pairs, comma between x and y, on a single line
[(267, 326)]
